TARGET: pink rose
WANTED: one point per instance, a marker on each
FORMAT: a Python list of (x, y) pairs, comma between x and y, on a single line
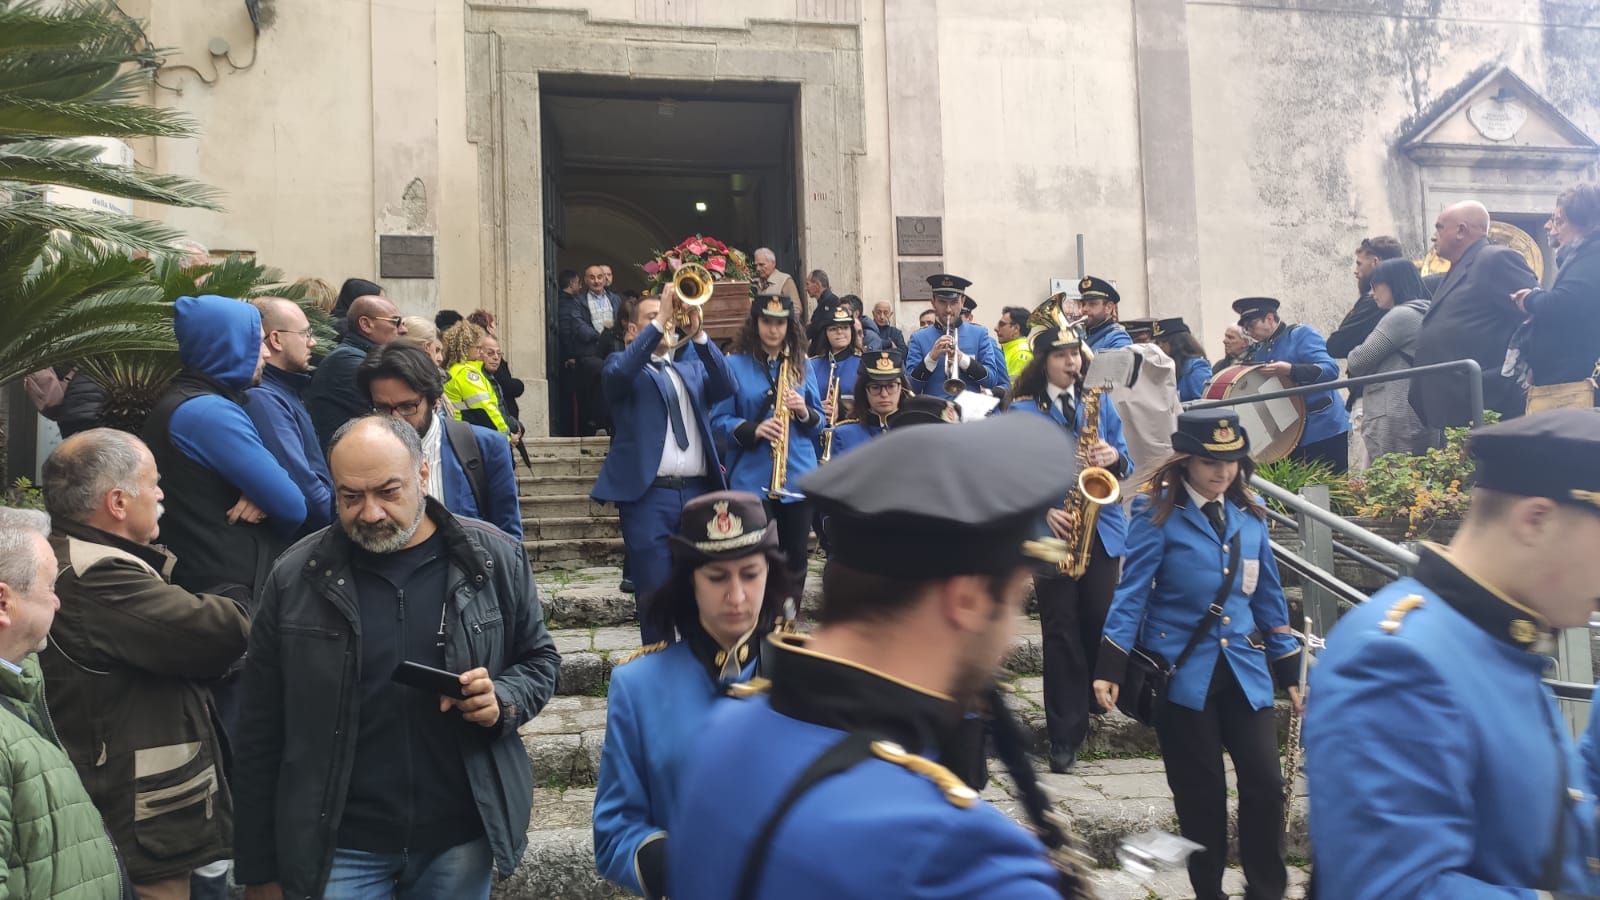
[(675, 262), (717, 264), (652, 267), (696, 247)]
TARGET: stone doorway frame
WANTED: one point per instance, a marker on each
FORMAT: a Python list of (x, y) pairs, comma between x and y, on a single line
[(510, 49)]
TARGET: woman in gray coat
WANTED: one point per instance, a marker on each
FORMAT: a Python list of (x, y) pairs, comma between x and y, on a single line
[(1391, 425)]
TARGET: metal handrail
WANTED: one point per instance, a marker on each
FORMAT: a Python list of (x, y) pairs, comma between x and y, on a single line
[(1571, 690), (1346, 594), (1348, 551), (1382, 545), (1468, 366)]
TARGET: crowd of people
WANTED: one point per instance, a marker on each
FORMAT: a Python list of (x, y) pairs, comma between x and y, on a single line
[(319, 672)]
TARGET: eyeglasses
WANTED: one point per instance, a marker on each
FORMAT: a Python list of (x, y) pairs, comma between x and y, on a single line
[(392, 320), (884, 388), (408, 408), (305, 333)]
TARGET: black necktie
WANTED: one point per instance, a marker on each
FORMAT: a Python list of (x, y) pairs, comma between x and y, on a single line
[(1219, 523), (1068, 409), (680, 431)]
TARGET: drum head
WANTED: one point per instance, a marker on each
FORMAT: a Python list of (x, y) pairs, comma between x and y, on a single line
[(1274, 426)]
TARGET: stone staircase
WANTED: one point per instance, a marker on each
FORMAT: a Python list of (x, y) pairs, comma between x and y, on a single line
[(562, 528), (1118, 788)]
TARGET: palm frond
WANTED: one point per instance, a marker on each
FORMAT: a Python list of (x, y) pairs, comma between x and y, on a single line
[(22, 116), (90, 73), (117, 181), (112, 228), (28, 27)]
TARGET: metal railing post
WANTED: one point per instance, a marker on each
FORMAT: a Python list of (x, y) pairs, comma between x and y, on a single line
[(1320, 603), (1574, 664)]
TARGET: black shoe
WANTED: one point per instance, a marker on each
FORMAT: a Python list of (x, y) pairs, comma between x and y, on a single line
[(626, 586), (1062, 758)]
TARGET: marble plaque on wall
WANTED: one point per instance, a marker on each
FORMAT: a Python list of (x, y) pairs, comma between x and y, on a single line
[(919, 235), (914, 279)]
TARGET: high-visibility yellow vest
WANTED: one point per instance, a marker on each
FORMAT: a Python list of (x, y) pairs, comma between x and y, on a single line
[(468, 388)]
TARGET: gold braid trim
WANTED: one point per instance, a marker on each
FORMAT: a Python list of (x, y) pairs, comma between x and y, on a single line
[(955, 790), (646, 650)]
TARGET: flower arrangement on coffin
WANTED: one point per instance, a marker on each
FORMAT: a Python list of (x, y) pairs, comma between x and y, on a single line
[(725, 263)]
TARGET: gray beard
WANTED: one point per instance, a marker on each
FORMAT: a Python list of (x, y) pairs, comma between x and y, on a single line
[(386, 536)]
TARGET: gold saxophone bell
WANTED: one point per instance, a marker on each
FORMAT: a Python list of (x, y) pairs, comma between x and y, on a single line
[(692, 285)]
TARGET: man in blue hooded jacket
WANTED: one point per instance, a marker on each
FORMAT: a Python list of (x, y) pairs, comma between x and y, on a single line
[(232, 508), (280, 415)]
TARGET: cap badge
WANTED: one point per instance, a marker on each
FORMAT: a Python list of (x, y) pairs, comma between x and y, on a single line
[(724, 525), (1156, 330), (775, 305), (1590, 497), (947, 281), (1224, 432), (884, 363)]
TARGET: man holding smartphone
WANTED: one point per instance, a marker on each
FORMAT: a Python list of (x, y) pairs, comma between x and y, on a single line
[(349, 784)]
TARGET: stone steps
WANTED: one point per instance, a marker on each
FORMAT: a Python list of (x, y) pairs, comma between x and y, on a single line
[(568, 555), (570, 528), (542, 467)]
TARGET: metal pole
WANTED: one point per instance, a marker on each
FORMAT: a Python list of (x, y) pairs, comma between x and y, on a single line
[(1081, 262), (1574, 664), (1320, 603)]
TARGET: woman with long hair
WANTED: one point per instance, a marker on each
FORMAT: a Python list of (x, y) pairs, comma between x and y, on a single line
[(1389, 424), (1071, 610), (1189, 358), (835, 360), (880, 388), (467, 386), (1196, 528), (769, 348), (727, 591)]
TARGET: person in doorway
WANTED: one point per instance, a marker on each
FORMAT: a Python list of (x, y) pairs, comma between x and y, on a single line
[(1200, 563), (772, 283)]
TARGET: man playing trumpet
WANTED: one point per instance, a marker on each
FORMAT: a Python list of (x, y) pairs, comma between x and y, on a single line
[(948, 352)]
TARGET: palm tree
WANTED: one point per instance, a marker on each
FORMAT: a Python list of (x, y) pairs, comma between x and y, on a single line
[(70, 289)]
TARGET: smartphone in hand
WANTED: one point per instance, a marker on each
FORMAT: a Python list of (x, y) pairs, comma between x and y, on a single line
[(429, 680)]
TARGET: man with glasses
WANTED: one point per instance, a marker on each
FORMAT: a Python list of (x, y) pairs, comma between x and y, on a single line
[(1012, 330), (332, 397), (469, 466), (279, 413)]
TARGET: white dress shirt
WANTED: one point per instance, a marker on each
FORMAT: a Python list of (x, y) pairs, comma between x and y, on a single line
[(690, 462)]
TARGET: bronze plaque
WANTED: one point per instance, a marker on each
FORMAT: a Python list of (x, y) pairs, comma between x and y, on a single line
[(919, 235), (405, 256), (914, 279)]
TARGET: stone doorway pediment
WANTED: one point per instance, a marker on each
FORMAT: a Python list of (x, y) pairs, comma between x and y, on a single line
[(1502, 122)]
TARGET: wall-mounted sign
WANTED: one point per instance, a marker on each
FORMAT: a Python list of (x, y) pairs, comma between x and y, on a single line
[(914, 279), (405, 256), (1498, 119), (919, 235)]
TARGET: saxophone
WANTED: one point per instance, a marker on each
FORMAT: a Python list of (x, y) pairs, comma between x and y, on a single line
[(780, 447), (1096, 488)]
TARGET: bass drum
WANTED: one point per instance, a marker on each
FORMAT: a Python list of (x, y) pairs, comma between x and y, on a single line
[(1274, 426)]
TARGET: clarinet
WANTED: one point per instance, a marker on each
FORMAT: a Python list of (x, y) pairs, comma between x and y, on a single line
[(1071, 862)]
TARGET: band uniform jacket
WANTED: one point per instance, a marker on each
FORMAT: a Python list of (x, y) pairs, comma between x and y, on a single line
[(1302, 347), (818, 368), (856, 432), (736, 417), (973, 340), (636, 394), (1565, 341), (1435, 753), (1171, 576), (1472, 317), (658, 703), (1108, 335), (1192, 378), (876, 830), (1112, 523)]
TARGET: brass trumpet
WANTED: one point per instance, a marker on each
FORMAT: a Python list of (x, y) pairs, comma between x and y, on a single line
[(692, 286), (953, 384)]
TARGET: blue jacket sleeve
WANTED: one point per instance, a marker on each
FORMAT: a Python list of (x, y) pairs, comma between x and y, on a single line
[(505, 508), (1111, 433), (280, 434), (1196, 372), (622, 794), (1146, 546), (1311, 350), (725, 421), (1376, 787), (813, 397), (916, 354), (994, 359), (218, 434), (1270, 610), (719, 377)]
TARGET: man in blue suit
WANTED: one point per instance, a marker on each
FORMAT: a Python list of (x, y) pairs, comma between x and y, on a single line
[(469, 466), (662, 455), (979, 362), (1097, 302), (1299, 353)]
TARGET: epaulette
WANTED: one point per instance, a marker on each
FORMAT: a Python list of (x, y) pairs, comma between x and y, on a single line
[(955, 790), (746, 689), (646, 650), (1397, 612), (1023, 398), (850, 421)]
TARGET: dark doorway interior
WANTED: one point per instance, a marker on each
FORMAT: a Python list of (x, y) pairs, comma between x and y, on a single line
[(631, 168)]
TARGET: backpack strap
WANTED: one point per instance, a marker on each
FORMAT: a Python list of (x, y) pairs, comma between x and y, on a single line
[(465, 445)]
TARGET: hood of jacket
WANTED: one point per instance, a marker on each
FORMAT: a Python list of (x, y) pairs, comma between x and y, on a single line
[(220, 337)]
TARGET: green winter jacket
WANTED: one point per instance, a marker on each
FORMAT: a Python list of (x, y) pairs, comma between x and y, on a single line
[(52, 844)]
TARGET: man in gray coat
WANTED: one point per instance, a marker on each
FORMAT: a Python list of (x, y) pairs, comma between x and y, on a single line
[(1472, 317)]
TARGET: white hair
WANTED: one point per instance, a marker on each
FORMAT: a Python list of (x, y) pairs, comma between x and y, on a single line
[(764, 253), (19, 563)]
